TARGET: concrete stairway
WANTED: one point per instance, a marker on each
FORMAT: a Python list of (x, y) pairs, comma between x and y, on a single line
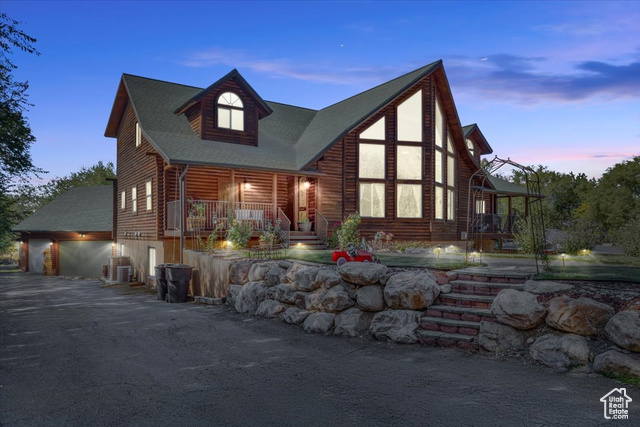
[(454, 321), (309, 240)]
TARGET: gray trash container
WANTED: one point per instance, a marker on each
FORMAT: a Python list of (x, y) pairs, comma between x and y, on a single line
[(161, 281)]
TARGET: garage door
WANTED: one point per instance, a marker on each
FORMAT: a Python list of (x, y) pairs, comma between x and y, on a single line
[(36, 254), (83, 258)]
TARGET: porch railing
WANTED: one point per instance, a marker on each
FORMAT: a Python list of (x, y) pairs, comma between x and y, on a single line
[(494, 223), (322, 226), (212, 214), (285, 226)]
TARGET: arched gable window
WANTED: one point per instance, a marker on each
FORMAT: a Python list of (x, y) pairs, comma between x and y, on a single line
[(230, 111)]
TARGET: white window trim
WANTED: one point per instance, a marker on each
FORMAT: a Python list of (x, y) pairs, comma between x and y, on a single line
[(149, 194), (123, 200), (134, 199)]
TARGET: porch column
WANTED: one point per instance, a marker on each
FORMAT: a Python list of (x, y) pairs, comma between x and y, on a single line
[(274, 196), (232, 193)]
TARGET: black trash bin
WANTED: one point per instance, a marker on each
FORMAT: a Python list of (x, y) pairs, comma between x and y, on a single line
[(178, 278), (161, 281)]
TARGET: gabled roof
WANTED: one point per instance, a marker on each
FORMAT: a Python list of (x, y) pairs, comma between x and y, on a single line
[(263, 107), (473, 130), (289, 139), (81, 209), (502, 186)]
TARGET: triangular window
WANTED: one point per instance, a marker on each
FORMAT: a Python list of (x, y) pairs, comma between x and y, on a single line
[(375, 131)]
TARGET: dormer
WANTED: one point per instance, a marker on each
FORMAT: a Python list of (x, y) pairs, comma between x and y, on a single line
[(226, 111), (475, 141)]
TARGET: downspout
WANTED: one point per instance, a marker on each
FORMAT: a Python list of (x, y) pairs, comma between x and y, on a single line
[(182, 191)]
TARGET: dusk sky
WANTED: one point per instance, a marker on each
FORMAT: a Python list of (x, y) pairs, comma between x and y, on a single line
[(552, 83)]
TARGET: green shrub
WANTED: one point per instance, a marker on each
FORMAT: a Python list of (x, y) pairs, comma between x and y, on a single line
[(628, 237), (582, 234), (523, 236), (239, 234), (348, 231)]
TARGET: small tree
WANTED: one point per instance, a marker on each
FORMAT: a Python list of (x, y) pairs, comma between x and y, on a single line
[(628, 237), (523, 236), (348, 233), (583, 234)]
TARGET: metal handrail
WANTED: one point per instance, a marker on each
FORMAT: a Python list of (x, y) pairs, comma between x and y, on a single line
[(285, 226), (322, 227)]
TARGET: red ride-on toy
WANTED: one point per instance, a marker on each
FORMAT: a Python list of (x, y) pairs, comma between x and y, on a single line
[(353, 255)]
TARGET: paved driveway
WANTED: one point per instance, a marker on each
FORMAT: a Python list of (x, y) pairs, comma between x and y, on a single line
[(74, 353)]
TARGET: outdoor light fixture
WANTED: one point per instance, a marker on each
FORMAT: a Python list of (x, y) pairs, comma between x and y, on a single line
[(562, 255), (81, 234), (247, 186)]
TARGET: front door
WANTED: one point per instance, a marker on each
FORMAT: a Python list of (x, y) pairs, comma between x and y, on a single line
[(303, 199)]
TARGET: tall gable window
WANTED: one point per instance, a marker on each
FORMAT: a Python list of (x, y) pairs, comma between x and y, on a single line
[(371, 161), (410, 118), (371, 166), (138, 135), (230, 111), (451, 180), (375, 131), (409, 187), (440, 158)]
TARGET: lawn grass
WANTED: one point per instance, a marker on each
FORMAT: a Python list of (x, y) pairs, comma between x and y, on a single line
[(627, 379), (587, 259), (593, 272)]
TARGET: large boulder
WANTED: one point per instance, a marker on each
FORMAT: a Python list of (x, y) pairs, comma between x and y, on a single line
[(396, 325), (561, 351), (352, 323), (300, 299), (270, 308), (498, 338), (319, 322), (293, 270), (232, 292), (370, 298), (614, 362), (582, 316), (276, 275), (411, 290), (294, 315), (333, 300), (283, 293), (361, 273), (305, 279), (518, 309), (239, 272), (327, 278), (545, 286), (250, 296), (624, 329), (258, 272), (349, 288)]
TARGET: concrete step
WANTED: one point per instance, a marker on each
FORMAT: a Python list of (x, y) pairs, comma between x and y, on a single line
[(482, 288), (471, 314), (439, 324), (444, 339), (467, 300)]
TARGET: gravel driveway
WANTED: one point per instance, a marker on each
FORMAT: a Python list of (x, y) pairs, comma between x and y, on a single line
[(76, 353)]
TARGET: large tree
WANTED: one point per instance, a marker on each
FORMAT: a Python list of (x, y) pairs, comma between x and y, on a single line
[(15, 134)]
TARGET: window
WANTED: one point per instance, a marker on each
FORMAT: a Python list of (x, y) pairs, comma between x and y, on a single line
[(439, 125), (409, 162), (138, 135), (451, 171), (134, 199), (375, 131), (439, 167), (471, 147), (230, 111), (123, 200), (148, 194), (451, 204), (372, 200), (410, 118), (409, 200), (371, 161), (151, 257), (439, 214)]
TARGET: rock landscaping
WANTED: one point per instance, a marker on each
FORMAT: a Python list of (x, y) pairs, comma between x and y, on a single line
[(506, 314)]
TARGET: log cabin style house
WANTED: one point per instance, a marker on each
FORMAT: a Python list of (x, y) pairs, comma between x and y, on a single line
[(396, 153)]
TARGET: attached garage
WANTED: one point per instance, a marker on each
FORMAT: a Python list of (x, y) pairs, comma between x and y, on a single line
[(77, 229), (78, 258)]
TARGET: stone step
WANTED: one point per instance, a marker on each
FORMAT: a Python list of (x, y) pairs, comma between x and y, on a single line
[(492, 276), (467, 300), (436, 324), (470, 314), (444, 339), (482, 288)]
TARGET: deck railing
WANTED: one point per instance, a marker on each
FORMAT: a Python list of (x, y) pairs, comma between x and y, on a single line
[(494, 223), (212, 214), (285, 226), (322, 227)]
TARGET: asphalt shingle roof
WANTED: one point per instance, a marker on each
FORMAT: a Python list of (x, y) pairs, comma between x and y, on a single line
[(79, 209), (288, 139)]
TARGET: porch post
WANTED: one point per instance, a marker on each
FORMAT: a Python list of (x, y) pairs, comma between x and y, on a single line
[(274, 196), (233, 189)]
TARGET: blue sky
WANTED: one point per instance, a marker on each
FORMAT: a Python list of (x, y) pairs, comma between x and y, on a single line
[(553, 83)]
